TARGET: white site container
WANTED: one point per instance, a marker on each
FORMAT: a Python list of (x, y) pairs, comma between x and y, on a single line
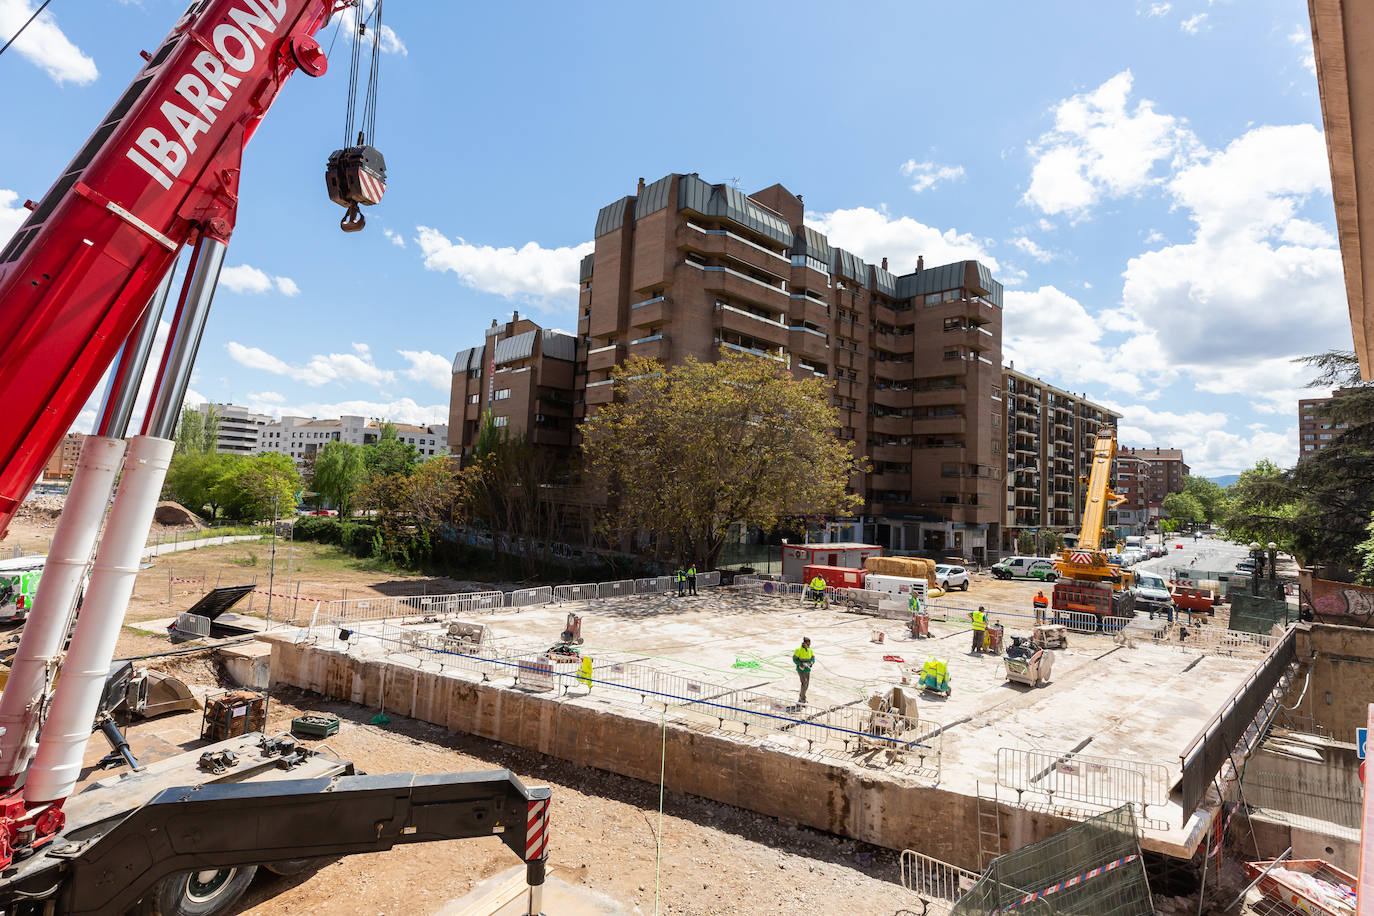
[(896, 586)]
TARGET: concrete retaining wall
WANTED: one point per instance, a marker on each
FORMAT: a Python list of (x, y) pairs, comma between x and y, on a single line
[(870, 806)]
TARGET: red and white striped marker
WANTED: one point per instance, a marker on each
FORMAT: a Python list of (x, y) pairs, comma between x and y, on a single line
[(537, 830), (372, 188)]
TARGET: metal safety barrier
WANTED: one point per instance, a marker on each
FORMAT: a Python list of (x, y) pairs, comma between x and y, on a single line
[(938, 884), (1105, 781), (529, 597), (583, 592), (618, 589), (193, 625)]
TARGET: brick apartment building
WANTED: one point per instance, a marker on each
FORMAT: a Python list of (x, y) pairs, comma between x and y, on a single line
[(684, 267), (1161, 473), (1050, 434), (62, 464), (1316, 430), (525, 375), (1130, 481)]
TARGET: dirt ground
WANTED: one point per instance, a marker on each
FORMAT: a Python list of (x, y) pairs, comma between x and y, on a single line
[(715, 859)]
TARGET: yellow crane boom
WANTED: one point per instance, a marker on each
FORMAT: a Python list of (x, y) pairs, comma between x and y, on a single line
[(1087, 561)]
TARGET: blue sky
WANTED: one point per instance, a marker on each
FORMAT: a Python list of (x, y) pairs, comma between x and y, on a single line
[(1148, 179)]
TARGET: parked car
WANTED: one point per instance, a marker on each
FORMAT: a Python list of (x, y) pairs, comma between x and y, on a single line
[(949, 577), (1025, 568)]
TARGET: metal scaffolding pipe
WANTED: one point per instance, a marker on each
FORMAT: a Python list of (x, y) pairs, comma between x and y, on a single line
[(117, 408), (164, 406)]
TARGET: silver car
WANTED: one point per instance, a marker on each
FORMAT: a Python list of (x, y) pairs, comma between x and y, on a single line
[(950, 577)]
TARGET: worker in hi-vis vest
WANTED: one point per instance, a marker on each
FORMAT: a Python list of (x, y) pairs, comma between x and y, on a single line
[(980, 626), (681, 578), (804, 658), (818, 590), (1040, 603), (692, 579)]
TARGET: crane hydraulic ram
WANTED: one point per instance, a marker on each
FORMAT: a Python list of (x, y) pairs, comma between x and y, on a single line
[(82, 286)]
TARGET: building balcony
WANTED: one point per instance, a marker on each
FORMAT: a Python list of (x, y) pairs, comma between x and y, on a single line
[(803, 308), (753, 351), (734, 283), (891, 397), (766, 330), (935, 426), (600, 392), (889, 481), (652, 346), (893, 343), (605, 357), (724, 243), (935, 397), (651, 312), (891, 426), (897, 454), (809, 343)]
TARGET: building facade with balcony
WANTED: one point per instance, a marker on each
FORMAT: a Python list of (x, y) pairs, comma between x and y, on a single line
[(62, 464), (240, 429), (524, 375), (1050, 434), (303, 437), (1316, 430), (1160, 471), (685, 268)]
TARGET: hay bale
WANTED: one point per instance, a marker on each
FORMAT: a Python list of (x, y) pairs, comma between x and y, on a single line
[(907, 567)]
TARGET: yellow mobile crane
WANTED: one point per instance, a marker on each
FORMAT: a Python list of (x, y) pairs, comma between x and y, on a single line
[(1088, 581)]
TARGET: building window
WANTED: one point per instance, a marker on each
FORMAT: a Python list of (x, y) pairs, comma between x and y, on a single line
[(500, 421), (951, 354), (953, 324), (502, 393)]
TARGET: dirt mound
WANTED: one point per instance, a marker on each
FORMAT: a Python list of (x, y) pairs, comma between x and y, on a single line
[(41, 507), (175, 515)]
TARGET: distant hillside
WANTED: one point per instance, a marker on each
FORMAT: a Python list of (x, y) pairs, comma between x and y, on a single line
[(1225, 480)]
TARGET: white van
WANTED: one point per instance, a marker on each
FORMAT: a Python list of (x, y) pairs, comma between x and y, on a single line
[(1025, 568), (18, 584), (896, 586)]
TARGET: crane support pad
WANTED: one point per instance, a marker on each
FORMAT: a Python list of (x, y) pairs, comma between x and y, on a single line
[(220, 825)]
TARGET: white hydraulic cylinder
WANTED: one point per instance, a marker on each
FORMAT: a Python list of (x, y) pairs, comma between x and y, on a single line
[(62, 741), (40, 644)]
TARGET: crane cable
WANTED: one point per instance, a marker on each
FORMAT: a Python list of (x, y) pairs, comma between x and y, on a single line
[(368, 127), (15, 37)]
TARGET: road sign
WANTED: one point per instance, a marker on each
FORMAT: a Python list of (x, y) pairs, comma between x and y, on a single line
[(1360, 735)]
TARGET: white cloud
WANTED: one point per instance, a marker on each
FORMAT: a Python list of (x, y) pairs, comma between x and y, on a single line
[(1194, 24), (1042, 255), (12, 215), (269, 397), (926, 175), (44, 44), (255, 358), (1156, 10), (251, 281), (395, 237), (874, 235), (391, 43), (400, 410), (319, 369), (1208, 447), (1035, 324), (430, 368), (343, 367), (530, 272), (1101, 146), (1309, 61)]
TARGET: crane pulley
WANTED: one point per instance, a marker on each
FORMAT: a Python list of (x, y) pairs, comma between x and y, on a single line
[(356, 175)]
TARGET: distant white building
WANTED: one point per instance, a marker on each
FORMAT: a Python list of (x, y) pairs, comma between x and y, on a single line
[(240, 429), (302, 437)]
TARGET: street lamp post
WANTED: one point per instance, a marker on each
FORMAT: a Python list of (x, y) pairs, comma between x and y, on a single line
[(1256, 554), (272, 563)]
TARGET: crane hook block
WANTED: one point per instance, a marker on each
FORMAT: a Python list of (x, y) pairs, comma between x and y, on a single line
[(355, 176)]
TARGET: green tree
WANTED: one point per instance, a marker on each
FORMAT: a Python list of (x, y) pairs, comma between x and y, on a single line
[(1025, 544), (1263, 506), (1210, 495), (389, 455), (1184, 508), (194, 480), (1052, 542), (340, 471), (509, 490), (686, 451), (197, 433), (260, 484)]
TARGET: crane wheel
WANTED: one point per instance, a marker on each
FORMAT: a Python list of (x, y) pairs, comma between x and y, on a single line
[(208, 892)]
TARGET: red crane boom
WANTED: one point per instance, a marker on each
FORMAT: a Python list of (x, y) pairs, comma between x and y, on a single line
[(161, 169)]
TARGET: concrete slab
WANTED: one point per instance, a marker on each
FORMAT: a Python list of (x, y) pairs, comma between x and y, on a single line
[(1141, 703)]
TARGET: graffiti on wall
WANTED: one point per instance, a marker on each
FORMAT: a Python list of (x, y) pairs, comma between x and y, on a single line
[(1350, 604)]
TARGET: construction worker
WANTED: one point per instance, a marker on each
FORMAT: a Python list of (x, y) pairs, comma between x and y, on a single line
[(913, 604), (818, 590), (980, 625), (804, 658), (1040, 603), (692, 579), (681, 578)]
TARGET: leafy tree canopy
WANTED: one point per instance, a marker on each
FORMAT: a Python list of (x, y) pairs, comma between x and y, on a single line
[(687, 450), (339, 473), (197, 433)]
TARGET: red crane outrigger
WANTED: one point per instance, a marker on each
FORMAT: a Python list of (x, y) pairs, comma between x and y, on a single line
[(82, 281)]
